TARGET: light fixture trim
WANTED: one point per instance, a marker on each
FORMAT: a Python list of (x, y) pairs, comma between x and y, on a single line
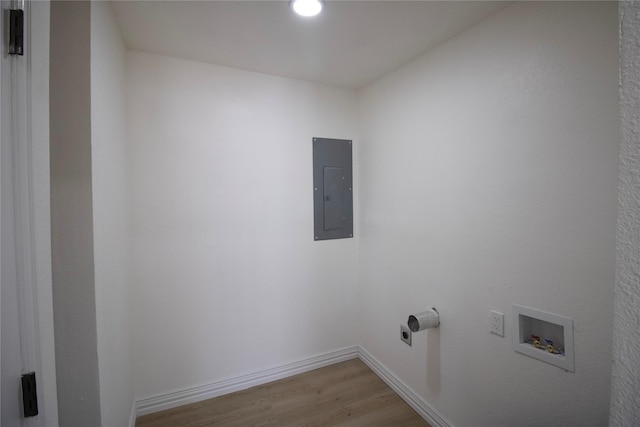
[(307, 8)]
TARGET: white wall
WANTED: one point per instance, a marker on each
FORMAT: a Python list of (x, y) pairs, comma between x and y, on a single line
[(110, 216), (488, 172), (625, 387), (74, 299), (227, 279)]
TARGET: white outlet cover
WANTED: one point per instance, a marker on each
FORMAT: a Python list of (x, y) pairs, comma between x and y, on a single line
[(496, 323), (405, 330)]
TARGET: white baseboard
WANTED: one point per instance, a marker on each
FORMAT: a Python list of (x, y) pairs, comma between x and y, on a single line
[(134, 415), (405, 392), (219, 388), (208, 391)]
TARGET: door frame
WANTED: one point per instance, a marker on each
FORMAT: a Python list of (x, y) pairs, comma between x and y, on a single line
[(29, 117)]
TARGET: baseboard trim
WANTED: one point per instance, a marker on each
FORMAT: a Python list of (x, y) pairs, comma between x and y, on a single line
[(219, 388), (405, 392), (208, 391), (134, 414)]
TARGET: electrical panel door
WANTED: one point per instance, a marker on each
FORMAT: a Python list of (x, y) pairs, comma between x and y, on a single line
[(332, 189)]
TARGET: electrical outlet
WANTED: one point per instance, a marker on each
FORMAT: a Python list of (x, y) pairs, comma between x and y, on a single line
[(405, 335), (496, 323)]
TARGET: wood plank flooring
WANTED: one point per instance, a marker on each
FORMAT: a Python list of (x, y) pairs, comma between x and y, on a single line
[(344, 394)]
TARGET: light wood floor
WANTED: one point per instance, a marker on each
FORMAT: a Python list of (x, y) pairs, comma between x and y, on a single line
[(344, 394)]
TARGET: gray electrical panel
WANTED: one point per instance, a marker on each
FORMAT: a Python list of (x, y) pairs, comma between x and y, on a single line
[(332, 189)]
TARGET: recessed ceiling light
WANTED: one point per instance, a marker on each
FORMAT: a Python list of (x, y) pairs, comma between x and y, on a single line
[(307, 7)]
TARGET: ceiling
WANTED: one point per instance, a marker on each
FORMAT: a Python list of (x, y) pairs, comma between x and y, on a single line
[(351, 44)]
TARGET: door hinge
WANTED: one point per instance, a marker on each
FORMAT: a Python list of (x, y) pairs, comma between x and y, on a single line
[(29, 395), (16, 32)]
